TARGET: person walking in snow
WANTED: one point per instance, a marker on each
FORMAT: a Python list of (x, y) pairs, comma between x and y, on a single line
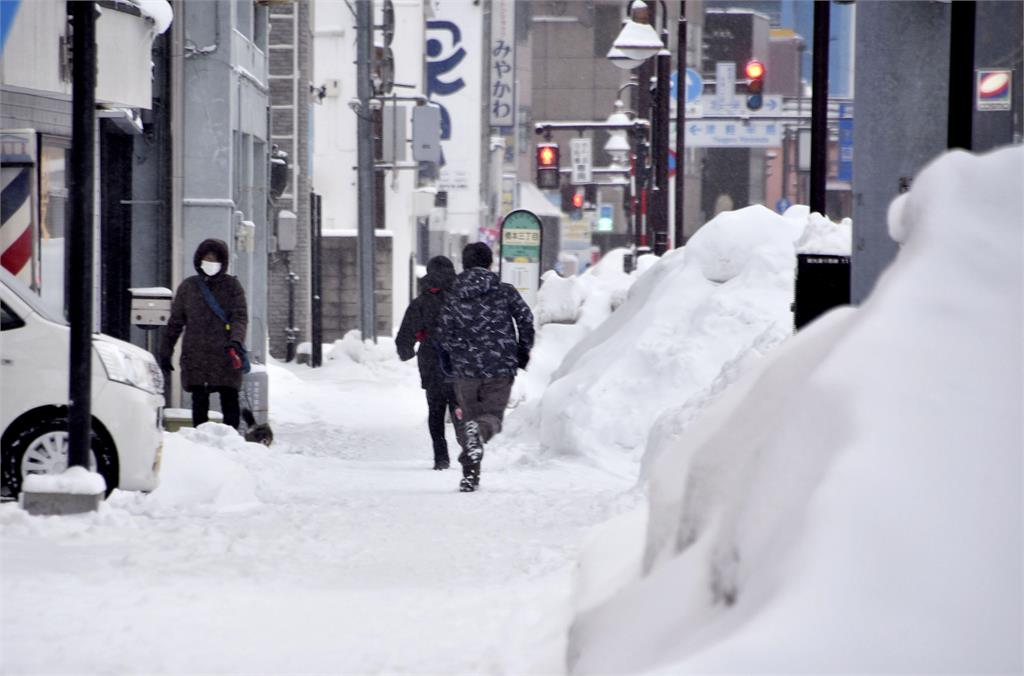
[(211, 350), (486, 328), (419, 325)]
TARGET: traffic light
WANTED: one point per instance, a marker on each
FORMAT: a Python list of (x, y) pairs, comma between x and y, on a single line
[(577, 199), (547, 166), (755, 84)]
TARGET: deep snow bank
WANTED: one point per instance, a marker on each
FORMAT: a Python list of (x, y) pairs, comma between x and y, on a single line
[(854, 502), (725, 295)]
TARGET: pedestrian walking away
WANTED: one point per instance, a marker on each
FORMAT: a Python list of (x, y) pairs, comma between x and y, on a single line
[(419, 326), (211, 348), (486, 329)]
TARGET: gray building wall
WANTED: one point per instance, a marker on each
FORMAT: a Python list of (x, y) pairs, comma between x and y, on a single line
[(902, 85), (901, 79), (999, 43), (225, 144), (341, 292), (291, 69), (46, 113)]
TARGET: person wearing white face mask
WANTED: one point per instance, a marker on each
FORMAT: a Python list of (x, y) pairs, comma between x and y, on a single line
[(211, 348)]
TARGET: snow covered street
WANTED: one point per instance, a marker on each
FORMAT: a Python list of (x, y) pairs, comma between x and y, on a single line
[(337, 550), (682, 485)]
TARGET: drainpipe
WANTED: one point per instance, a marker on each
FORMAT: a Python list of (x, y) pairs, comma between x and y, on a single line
[(177, 112)]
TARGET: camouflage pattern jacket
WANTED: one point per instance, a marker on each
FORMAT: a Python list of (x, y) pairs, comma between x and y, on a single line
[(479, 323)]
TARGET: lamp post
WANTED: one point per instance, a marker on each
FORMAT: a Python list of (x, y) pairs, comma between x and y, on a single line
[(680, 234), (636, 43), (620, 150)]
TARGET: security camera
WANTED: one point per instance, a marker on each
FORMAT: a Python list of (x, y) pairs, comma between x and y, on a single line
[(356, 105)]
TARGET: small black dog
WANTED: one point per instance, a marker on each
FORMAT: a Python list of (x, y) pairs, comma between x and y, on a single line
[(259, 433)]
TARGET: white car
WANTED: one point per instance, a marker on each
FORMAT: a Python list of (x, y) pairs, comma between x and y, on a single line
[(127, 399)]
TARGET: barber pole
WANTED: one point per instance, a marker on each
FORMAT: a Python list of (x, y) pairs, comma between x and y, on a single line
[(17, 206)]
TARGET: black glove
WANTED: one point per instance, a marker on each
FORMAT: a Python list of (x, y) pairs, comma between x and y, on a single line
[(165, 364), (522, 357)]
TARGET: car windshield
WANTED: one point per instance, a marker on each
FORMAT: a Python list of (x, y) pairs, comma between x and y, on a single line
[(31, 298)]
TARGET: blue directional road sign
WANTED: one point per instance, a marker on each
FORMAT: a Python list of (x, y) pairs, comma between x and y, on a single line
[(694, 86), (733, 134)]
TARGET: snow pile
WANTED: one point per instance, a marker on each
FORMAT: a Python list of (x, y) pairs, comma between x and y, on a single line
[(604, 285), (854, 503), (558, 300), (822, 236), (725, 295), (202, 471), (568, 309), (75, 480)]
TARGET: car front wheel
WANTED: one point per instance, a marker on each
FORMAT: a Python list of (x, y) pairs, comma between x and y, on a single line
[(41, 447)]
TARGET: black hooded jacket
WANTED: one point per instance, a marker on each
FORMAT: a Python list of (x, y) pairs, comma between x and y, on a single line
[(420, 322), (485, 325), (204, 359)]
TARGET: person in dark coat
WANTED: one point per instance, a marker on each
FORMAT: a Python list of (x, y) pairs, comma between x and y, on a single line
[(419, 325), (210, 350), (486, 328)]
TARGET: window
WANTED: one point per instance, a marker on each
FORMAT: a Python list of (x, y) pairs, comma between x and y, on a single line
[(244, 17), (54, 159), (261, 27), (9, 319)]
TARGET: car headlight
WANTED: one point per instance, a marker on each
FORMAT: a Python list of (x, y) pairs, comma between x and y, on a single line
[(130, 368)]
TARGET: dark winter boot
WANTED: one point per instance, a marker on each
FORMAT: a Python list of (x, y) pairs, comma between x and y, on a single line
[(441, 463), (470, 477), (474, 445)]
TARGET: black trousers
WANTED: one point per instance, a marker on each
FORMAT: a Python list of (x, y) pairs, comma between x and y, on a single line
[(228, 405), (440, 398)]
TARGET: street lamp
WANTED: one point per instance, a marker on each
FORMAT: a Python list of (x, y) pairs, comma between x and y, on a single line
[(617, 146), (637, 43)]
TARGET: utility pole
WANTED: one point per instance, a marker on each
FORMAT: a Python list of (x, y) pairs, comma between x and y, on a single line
[(663, 67), (960, 124), (642, 106), (364, 151), (819, 107), (679, 235), (80, 245)]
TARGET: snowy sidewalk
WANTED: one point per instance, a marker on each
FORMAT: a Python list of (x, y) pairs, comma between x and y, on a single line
[(354, 557)]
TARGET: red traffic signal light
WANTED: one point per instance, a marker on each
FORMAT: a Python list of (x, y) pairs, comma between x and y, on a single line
[(577, 199), (547, 156), (547, 166), (754, 71)]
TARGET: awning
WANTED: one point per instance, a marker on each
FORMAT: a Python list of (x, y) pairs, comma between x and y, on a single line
[(532, 199)]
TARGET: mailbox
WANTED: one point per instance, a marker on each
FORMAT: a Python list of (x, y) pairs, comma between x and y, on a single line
[(151, 307)]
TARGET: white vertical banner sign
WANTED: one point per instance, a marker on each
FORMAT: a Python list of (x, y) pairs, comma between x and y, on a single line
[(454, 61), (582, 158), (502, 104), (725, 82)]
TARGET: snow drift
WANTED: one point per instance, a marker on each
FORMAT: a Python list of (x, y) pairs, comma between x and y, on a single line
[(852, 503), (724, 295)]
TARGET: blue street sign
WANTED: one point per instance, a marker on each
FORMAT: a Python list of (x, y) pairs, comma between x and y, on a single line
[(694, 86)]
